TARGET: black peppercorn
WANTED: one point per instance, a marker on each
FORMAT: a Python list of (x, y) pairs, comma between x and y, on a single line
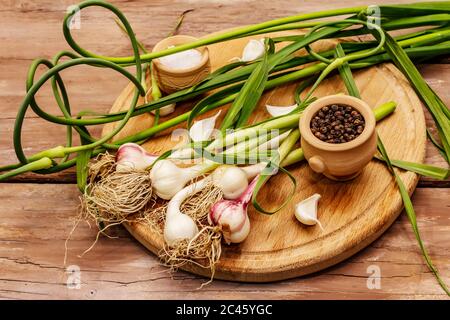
[(337, 124)]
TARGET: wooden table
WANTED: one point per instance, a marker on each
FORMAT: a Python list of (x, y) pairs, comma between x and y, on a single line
[(37, 212)]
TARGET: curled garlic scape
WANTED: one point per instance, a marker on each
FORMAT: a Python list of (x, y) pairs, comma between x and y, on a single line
[(131, 156), (306, 210)]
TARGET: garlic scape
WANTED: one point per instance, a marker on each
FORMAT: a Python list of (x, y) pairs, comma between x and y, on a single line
[(306, 211), (131, 156)]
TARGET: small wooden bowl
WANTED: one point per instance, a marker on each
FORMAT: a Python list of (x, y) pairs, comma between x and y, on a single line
[(170, 79), (341, 161)]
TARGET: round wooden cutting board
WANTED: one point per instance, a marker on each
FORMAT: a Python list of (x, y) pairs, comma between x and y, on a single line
[(353, 214)]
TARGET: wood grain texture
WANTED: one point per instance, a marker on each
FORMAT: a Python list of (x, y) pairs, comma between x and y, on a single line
[(31, 256), (353, 214)]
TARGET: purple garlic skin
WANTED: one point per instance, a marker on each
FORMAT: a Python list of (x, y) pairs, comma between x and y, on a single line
[(232, 217), (132, 157)]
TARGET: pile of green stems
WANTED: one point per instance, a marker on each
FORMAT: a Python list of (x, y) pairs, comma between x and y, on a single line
[(418, 45)]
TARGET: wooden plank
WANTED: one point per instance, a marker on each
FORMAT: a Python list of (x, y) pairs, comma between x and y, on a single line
[(31, 257), (151, 20)]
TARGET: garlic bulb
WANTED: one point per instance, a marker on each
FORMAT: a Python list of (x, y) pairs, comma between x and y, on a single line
[(180, 226), (231, 216), (306, 211), (253, 50), (168, 178), (131, 156), (231, 180)]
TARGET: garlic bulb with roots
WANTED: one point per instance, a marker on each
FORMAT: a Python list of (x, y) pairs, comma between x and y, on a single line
[(132, 157), (179, 226), (168, 178), (231, 215)]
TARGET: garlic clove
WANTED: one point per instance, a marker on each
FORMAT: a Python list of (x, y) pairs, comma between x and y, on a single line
[(306, 210), (202, 130), (276, 111), (131, 156), (253, 50), (166, 110), (179, 227)]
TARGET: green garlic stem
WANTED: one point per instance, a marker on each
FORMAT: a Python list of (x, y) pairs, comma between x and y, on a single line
[(43, 163), (203, 41)]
